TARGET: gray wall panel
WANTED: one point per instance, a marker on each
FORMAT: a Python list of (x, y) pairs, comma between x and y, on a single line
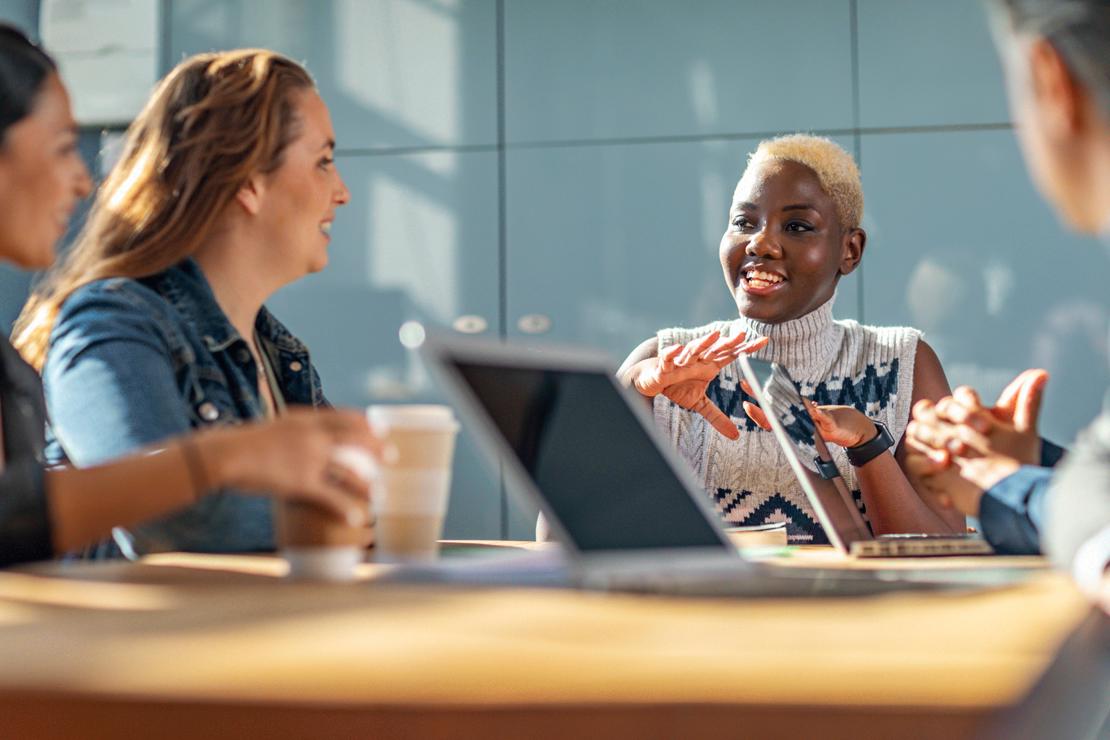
[(396, 73), (584, 69), (23, 14), (964, 249), (927, 63)]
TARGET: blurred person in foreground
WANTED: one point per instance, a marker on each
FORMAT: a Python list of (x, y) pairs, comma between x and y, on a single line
[(989, 461)]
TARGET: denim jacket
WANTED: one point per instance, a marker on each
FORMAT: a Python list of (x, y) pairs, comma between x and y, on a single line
[(134, 362)]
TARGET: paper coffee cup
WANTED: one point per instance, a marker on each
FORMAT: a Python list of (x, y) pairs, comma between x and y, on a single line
[(411, 490)]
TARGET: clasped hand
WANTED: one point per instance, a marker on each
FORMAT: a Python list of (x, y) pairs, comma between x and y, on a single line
[(959, 448)]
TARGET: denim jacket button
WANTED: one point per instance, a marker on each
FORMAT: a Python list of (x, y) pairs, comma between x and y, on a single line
[(208, 411), (295, 366), (243, 355)]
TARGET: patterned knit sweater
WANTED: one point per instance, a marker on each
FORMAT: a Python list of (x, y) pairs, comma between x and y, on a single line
[(832, 362)]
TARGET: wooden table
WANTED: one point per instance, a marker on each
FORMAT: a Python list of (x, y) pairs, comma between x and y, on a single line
[(220, 646)]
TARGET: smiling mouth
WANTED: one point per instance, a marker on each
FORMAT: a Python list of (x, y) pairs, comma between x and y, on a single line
[(760, 282)]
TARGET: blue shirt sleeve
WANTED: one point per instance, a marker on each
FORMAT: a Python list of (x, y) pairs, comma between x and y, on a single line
[(109, 381), (111, 389), (1011, 513)]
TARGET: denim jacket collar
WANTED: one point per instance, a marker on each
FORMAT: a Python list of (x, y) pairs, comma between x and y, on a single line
[(188, 291)]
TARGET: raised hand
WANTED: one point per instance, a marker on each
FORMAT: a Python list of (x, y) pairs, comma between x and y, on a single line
[(943, 483), (682, 373), (1011, 424), (945, 444)]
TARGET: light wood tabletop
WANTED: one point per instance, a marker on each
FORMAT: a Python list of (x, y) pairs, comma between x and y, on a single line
[(219, 646)]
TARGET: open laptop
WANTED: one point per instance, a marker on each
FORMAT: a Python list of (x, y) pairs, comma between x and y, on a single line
[(584, 450), (809, 457)]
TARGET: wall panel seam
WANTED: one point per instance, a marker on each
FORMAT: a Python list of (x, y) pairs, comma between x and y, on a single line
[(678, 139)]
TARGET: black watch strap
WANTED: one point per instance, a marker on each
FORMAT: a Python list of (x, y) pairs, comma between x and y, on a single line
[(826, 468), (868, 451)]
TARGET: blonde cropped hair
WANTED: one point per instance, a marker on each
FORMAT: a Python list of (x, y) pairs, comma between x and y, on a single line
[(834, 167)]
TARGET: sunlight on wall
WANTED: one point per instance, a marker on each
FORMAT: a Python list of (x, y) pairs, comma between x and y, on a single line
[(414, 242), (411, 49)]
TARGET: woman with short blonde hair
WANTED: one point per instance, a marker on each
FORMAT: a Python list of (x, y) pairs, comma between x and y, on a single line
[(794, 230)]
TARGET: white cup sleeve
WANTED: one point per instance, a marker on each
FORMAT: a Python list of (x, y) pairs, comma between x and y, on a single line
[(356, 459)]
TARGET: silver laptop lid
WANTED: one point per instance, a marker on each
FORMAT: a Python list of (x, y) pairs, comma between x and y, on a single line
[(803, 446), (579, 446)]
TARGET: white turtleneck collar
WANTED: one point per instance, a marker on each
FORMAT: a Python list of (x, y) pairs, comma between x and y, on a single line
[(806, 345)]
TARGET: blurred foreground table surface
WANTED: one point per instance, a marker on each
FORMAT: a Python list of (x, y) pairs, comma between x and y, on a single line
[(221, 646)]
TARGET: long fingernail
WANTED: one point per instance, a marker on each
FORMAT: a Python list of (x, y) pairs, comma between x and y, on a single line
[(390, 453), (356, 518)]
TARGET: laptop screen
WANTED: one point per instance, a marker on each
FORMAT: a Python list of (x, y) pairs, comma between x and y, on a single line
[(595, 465), (834, 504)]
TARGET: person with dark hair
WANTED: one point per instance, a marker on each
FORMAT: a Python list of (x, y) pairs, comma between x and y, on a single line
[(44, 511), (983, 460)]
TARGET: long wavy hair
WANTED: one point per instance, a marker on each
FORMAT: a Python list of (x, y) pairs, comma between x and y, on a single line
[(214, 121)]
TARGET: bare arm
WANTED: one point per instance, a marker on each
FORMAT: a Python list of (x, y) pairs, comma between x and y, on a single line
[(293, 457), (890, 493), (645, 350)]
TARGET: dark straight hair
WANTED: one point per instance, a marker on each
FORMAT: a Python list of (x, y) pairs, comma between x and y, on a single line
[(23, 68)]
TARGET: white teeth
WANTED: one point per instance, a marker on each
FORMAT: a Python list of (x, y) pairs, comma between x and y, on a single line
[(764, 277), (326, 227)]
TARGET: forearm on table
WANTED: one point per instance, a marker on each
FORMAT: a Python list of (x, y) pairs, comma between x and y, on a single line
[(86, 503), (893, 506)]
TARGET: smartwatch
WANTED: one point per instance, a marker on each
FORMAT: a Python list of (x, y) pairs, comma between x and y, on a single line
[(826, 468), (868, 451)]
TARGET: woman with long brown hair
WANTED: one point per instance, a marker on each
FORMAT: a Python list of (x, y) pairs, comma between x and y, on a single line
[(44, 511), (154, 322)]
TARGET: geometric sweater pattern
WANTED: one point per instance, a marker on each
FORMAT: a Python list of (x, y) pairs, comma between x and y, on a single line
[(749, 480)]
